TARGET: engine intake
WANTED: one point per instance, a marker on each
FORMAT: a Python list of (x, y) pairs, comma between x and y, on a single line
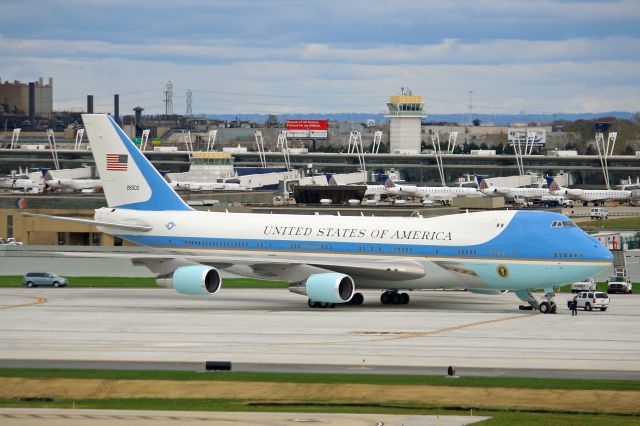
[(196, 280), (331, 287)]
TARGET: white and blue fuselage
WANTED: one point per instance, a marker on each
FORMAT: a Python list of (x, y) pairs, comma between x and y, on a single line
[(493, 249)]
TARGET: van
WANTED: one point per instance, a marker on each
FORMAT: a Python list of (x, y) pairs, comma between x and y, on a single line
[(35, 279), (598, 213)]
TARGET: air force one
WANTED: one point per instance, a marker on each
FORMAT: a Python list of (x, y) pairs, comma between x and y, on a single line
[(329, 258), (586, 196)]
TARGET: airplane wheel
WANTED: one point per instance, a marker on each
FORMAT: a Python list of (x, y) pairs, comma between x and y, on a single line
[(357, 299), (544, 308), (395, 298), (404, 298), (385, 298)]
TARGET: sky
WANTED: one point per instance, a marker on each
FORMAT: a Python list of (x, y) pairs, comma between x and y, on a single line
[(328, 56)]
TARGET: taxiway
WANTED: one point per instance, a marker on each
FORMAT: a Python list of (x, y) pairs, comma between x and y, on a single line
[(274, 330)]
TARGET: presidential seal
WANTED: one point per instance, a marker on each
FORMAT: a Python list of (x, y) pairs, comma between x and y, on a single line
[(503, 272)]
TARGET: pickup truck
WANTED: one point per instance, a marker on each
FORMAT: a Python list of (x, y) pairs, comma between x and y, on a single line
[(619, 284)]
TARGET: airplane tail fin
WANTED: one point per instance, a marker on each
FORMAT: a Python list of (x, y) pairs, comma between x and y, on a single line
[(552, 184), (389, 183), (165, 175), (482, 184), (129, 180)]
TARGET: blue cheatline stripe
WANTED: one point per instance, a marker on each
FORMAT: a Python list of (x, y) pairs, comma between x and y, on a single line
[(162, 196)]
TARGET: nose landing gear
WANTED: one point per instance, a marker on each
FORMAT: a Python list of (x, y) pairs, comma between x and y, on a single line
[(546, 306)]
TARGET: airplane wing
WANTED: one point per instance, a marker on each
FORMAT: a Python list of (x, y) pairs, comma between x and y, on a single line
[(366, 268), (123, 226)]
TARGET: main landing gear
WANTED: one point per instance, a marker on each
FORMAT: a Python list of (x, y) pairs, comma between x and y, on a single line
[(356, 299), (392, 297), (314, 304), (546, 306)]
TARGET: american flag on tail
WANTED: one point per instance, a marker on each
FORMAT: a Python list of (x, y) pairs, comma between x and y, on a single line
[(117, 162)]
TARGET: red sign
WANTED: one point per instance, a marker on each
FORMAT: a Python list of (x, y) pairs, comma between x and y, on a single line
[(307, 124)]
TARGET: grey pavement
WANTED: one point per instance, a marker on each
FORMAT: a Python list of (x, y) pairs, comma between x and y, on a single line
[(274, 330)]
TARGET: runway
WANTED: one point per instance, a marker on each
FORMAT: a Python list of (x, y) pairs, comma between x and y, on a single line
[(274, 330)]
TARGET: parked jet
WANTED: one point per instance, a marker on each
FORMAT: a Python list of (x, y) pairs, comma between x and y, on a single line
[(509, 193), (203, 186), (71, 184), (18, 182), (586, 196), (431, 192), (330, 258)]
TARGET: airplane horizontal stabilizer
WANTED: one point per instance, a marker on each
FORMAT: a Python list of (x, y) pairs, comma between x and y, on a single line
[(123, 226)]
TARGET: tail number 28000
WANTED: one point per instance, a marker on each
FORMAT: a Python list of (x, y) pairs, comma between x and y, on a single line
[(133, 187)]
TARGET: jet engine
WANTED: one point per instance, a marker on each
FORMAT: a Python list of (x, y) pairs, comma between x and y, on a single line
[(196, 280), (331, 287)]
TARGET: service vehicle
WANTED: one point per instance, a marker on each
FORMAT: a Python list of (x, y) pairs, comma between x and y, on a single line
[(599, 213), (9, 242), (589, 300), (35, 279), (619, 283), (585, 285)]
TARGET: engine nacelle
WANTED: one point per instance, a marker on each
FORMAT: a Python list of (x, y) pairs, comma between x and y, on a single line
[(331, 287), (575, 192), (196, 280)]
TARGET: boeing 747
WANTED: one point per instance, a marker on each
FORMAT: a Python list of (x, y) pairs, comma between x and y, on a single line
[(329, 259)]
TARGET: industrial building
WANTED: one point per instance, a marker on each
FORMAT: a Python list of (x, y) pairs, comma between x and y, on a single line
[(33, 99)]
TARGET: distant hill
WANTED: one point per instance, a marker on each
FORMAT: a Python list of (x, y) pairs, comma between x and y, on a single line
[(497, 119)]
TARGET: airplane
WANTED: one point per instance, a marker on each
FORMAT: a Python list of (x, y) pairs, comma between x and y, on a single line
[(330, 258), (18, 182), (203, 186), (71, 184), (509, 193), (431, 192), (595, 196)]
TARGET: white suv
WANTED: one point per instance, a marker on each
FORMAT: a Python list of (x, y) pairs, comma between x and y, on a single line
[(589, 300)]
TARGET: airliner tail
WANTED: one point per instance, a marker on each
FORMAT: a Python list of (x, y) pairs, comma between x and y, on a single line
[(129, 180)]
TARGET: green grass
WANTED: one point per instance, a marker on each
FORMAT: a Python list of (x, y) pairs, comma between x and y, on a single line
[(142, 282), (617, 224), (498, 417), (379, 379)]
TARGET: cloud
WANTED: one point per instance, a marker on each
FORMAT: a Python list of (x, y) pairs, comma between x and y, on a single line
[(327, 56)]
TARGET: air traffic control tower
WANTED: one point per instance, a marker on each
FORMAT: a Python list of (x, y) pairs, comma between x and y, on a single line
[(405, 117)]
